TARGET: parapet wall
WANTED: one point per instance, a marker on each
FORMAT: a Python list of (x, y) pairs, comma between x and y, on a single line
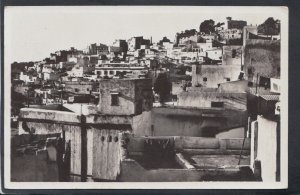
[(30, 159), (196, 145), (205, 99)]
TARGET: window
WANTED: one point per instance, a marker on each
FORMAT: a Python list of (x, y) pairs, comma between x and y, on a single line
[(114, 99), (250, 71), (227, 79), (217, 104), (116, 139), (111, 72), (275, 87), (76, 90), (233, 53), (105, 72), (204, 79), (241, 76), (87, 89)]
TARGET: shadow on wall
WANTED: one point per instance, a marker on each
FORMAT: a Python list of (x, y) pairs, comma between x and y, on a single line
[(190, 122)]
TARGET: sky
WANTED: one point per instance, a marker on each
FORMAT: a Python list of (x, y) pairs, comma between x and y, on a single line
[(32, 33)]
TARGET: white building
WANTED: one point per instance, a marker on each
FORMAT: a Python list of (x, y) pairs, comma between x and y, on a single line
[(214, 54), (27, 78), (111, 71), (77, 71)]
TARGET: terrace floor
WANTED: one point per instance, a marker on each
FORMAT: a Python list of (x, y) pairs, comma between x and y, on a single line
[(217, 161)]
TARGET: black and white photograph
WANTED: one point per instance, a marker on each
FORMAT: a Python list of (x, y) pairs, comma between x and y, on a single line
[(140, 97)]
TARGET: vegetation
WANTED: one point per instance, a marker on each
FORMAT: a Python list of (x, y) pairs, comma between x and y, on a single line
[(207, 26), (162, 86), (269, 27)]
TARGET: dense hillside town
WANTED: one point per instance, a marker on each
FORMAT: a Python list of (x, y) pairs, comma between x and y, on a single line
[(216, 82), (70, 76)]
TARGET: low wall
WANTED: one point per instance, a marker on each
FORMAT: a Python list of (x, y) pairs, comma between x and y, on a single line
[(202, 99), (24, 139), (162, 121), (40, 121), (33, 168), (133, 172), (196, 145), (31, 161), (178, 121)]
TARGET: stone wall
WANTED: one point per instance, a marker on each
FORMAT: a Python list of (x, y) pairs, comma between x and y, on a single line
[(126, 97), (232, 55), (134, 96), (176, 121), (81, 135), (131, 170), (31, 161), (266, 141), (234, 87), (196, 145), (80, 87), (33, 168), (202, 99), (39, 121), (134, 172), (214, 74), (262, 57)]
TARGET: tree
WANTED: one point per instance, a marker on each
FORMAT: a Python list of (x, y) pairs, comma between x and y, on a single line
[(181, 69), (269, 27), (162, 86), (207, 26)]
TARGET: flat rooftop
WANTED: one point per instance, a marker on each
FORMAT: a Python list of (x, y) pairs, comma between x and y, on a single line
[(217, 161)]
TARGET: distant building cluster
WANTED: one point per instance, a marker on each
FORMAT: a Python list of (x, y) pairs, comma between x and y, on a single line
[(215, 54)]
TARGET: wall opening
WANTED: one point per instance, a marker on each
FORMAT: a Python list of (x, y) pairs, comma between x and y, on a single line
[(114, 99), (233, 53), (217, 104)]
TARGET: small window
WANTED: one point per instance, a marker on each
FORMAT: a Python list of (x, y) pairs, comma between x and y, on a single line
[(105, 72), (227, 79), (109, 139), (217, 104), (250, 71), (233, 53), (204, 79), (116, 139), (76, 90), (111, 72), (88, 89), (114, 99)]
